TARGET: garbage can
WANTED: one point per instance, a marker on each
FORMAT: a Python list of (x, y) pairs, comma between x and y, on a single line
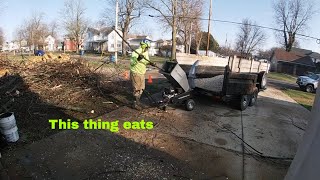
[(39, 53), (112, 58), (8, 127)]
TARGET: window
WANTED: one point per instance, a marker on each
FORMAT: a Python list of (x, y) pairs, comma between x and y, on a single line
[(119, 45), (112, 45), (313, 76)]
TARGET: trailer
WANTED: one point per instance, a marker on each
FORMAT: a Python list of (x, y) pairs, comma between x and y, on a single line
[(243, 87), (212, 66)]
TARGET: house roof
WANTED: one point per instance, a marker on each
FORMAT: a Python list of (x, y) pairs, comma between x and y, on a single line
[(93, 30), (306, 60), (106, 30), (315, 55), (301, 51), (293, 57), (143, 37)]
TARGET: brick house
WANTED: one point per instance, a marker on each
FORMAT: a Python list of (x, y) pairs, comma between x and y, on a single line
[(69, 44), (294, 62)]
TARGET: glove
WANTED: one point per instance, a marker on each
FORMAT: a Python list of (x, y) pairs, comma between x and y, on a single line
[(140, 57)]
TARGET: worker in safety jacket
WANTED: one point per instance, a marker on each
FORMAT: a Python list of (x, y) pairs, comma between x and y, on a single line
[(138, 65)]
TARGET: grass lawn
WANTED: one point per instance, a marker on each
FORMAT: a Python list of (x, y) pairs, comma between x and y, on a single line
[(303, 98), (282, 77), (16, 57)]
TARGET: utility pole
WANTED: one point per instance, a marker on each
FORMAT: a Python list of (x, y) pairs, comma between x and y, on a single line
[(174, 30), (208, 40), (116, 35)]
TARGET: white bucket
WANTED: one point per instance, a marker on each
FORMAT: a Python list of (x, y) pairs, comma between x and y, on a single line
[(8, 127)]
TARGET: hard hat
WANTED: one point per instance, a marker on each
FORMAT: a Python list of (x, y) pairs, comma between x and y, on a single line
[(145, 43)]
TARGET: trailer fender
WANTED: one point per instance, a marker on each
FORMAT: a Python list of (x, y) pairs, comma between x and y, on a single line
[(262, 80)]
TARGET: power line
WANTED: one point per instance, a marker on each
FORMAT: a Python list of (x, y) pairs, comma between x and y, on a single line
[(239, 23)]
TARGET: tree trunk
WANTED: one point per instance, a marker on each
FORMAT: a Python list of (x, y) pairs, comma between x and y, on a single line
[(77, 46), (123, 48), (185, 41), (186, 47), (198, 43), (125, 35), (285, 37), (290, 41)]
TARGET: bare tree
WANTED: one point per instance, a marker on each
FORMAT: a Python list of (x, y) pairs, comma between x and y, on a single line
[(198, 35), (129, 13), (74, 21), (189, 13), (292, 16), (249, 38), (20, 35), (1, 37), (34, 30), (53, 28), (168, 12), (1, 30)]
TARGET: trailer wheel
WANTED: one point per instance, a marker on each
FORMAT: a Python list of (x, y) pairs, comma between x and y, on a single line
[(253, 98), (244, 102), (190, 104), (262, 80)]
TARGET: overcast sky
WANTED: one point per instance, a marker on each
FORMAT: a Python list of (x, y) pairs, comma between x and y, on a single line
[(15, 12)]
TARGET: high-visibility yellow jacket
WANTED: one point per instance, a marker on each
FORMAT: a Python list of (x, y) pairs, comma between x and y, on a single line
[(136, 66)]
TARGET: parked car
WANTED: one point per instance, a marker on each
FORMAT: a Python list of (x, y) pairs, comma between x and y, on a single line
[(309, 82)]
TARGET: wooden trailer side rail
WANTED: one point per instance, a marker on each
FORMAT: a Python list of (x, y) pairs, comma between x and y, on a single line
[(240, 65), (237, 65)]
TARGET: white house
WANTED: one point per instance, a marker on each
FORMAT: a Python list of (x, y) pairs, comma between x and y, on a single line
[(10, 46), (50, 43), (203, 53), (135, 43), (102, 40)]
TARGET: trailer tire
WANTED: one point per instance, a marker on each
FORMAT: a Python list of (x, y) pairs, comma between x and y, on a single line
[(262, 80), (189, 104), (253, 98), (244, 102)]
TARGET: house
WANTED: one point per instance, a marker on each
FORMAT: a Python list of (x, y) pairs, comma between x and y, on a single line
[(11, 46), (102, 40), (24, 46), (134, 42), (315, 57), (294, 62), (69, 44), (160, 43), (204, 52), (50, 43), (164, 47)]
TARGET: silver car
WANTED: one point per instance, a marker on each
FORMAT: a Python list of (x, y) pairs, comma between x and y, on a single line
[(309, 82)]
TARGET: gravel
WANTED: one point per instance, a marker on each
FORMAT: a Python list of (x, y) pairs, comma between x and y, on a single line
[(211, 84)]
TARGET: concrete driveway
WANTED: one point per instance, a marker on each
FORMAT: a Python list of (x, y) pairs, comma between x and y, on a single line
[(202, 144)]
